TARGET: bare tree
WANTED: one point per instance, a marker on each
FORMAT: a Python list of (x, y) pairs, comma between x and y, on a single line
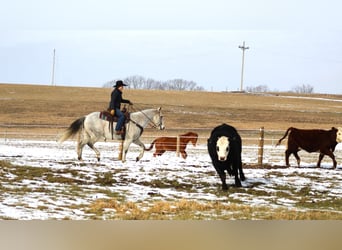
[(135, 82), (140, 82), (257, 89), (303, 89)]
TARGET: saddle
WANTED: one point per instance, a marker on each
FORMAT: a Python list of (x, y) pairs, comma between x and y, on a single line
[(106, 116)]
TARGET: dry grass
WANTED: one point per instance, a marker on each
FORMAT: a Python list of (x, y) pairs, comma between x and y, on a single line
[(50, 106), (193, 210)]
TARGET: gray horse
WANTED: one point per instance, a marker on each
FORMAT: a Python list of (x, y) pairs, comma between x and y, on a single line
[(91, 128)]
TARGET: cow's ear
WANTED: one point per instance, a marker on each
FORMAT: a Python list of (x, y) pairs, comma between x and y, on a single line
[(333, 128), (233, 138)]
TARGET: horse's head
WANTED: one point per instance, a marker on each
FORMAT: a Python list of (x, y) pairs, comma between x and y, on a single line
[(158, 119), (192, 137)]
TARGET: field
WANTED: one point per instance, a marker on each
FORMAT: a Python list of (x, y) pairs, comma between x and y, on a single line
[(43, 180)]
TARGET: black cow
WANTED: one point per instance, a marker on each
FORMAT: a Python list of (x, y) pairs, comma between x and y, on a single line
[(312, 140), (224, 147)]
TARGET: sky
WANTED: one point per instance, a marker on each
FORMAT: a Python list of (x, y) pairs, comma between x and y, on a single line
[(291, 42)]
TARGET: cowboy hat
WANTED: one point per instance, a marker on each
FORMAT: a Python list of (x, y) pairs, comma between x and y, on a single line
[(119, 84)]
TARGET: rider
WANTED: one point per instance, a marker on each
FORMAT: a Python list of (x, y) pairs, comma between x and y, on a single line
[(114, 105)]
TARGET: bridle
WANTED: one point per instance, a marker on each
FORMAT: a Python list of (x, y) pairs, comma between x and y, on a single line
[(151, 122)]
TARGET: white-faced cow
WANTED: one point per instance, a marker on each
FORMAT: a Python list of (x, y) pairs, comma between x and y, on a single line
[(312, 140), (224, 147)]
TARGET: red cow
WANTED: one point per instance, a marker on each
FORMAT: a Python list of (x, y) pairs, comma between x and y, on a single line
[(312, 140)]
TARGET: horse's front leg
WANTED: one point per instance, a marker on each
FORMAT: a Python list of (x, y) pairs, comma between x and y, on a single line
[(125, 147), (142, 146)]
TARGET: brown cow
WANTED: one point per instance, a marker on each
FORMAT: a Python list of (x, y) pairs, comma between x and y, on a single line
[(312, 140), (170, 144)]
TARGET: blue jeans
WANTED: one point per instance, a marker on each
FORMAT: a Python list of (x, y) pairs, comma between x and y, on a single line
[(121, 119)]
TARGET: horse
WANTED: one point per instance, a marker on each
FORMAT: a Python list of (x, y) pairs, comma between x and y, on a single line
[(163, 144), (91, 128)]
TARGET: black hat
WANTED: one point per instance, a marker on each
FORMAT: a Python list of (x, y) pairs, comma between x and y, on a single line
[(119, 84)]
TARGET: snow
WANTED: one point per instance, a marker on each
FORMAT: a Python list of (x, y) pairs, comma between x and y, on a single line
[(140, 181)]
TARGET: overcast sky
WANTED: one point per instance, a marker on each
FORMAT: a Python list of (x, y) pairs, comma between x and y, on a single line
[(291, 42)]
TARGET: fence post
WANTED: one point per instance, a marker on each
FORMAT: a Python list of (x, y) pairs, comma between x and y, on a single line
[(120, 149), (261, 146), (178, 146)]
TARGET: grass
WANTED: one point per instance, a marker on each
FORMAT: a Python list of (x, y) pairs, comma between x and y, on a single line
[(57, 184), (194, 210), (29, 110), (51, 107)]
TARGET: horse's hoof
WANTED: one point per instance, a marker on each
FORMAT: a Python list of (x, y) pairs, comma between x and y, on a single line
[(137, 159), (98, 158)]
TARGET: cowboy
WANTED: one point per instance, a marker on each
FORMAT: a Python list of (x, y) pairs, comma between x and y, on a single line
[(115, 103)]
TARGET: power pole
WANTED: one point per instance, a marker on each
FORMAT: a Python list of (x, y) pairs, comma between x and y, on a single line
[(243, 48), (53, 67)]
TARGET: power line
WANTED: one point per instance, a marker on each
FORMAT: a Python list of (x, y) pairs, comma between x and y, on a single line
[(53, 68), (243, 48)]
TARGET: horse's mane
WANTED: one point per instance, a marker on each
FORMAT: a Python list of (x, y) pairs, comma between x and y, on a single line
[(190, 134)]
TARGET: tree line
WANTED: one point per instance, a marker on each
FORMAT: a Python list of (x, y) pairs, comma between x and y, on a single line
[(140, 82), (300, 89)]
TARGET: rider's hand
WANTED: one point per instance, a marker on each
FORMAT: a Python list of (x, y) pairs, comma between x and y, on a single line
[(112, 112)]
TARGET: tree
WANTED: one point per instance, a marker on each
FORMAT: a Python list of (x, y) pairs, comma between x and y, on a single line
[(303, 89), (257, 89), (140, 82)]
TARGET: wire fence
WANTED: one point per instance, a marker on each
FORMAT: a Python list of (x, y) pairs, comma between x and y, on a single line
[(257, 144), (252, 138), (48, 132)]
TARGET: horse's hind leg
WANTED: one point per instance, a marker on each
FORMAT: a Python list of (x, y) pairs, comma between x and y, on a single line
[(97, 152), (158, 152), (80, 146)]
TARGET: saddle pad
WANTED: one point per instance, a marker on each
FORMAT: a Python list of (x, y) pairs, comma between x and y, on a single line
[(105, 115)]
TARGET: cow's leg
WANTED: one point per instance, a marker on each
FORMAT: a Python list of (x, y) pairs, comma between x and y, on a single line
[(331, 155), (295, 153), (222, 175), (236, 176), (287, 156), (242, 175), (320, 158)]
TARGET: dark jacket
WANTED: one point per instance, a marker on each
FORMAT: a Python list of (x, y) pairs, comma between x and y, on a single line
[(116, 99)]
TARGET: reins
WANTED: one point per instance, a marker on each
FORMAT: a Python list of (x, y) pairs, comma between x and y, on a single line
[(153, 125)]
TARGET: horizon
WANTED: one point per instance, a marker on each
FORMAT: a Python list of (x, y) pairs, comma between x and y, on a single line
[(93, 42)]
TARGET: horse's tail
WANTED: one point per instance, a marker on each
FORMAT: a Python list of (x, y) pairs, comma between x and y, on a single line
[(73, 129), (287, 132), (151, 146)]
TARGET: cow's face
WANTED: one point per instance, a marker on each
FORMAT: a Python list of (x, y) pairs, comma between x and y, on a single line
[(222, 148), (339, 135)]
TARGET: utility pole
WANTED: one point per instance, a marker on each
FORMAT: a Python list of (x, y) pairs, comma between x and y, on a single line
[(53, 67), (243, 48)]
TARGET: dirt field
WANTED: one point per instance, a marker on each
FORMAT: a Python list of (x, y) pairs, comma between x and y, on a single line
[(47, 108)]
